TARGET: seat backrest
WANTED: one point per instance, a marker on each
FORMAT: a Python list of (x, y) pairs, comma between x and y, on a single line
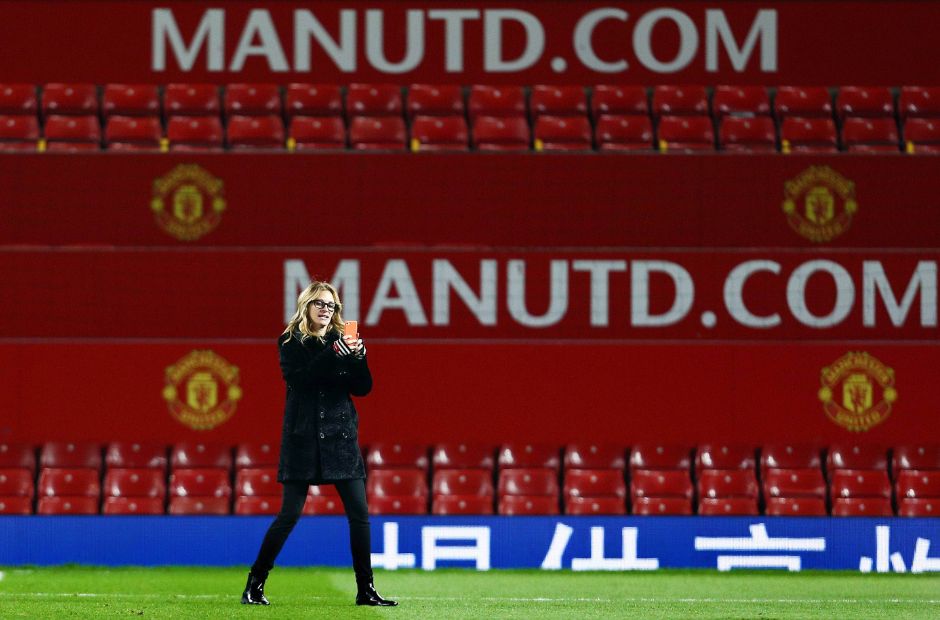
[(397, 456), (136, 455), (661, 456), (17, 455), (527, 455), (660, 483), (619, 100), (18, 99), (463, 482), (864, 101), (856, 456), (922, 101), (257, 481), (69, 481), (256, 455), (727, 483), (313, 100), (594, 456), (463, 456), (70, 455), (131, 100), (372, 132), (492, 130), (860, 483), (397, 483), (125, 482), (191, 100), (741, 101), (201, 455), (200, 482), (256, 131), (690, 100), (594, 483), (435, 100), (725, 456), (624, 129), (790, 456), (803, 101), (252, 99), (794, 483), (558, 101), (69, 99), (374, 100), (500, 101), (530, 481)]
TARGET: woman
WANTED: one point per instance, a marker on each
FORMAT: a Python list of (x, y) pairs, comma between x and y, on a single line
[(319, 438)]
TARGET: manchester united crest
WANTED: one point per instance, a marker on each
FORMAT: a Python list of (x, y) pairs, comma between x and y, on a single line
[(188, 203), (857, 391), (819, 203), (202, 390)]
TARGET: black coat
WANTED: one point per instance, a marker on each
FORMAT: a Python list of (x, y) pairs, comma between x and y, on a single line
[(319, 439)]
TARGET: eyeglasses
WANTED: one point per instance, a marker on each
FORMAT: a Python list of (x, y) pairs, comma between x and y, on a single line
[(329, 305)]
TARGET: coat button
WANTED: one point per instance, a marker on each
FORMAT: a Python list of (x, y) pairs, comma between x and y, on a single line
[(322, 436), (344, 435), (322, 415)]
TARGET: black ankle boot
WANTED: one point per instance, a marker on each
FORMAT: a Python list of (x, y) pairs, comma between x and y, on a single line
[(368, 596), (254, 592)]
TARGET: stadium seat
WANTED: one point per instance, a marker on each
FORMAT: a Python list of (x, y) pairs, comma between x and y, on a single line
[(518, 505), (257, 482), (803, 101), (463, 456), (715, 483), (72, 133), (808, 135), (686, 134), (191, 100), (322, 490), (795, 507), (397, 455), (16, 482), (862, 507), (133, 133), (857, 456), (619, 100), (624, 133), (70, 455), (68, 482), (252, 100), (740, 101), (661, 506), (594, 456), (680, 101), (133, 506), (570, 133), (130, 100), (864, 101), (255, 132), (860, 483), (870, 135), (728, 506), (136, 455), (370, 133), (747, 135), (396, 483), (789, 456), (439, 133), (254, 455), (491, 133), (594, 483), (512, 455), (914, 483), (135, 483), (724, 456), (18, 99), (918, 507), (200, 455), (462, 505), (608, 505), (70, 99), (435, 100), (19, 133), (398, 505), (67, 506), (315, 133), (794, 483), (257, 505), (373, 100), (464, 482), (10, 505), (199, 506), (194, 133), (922, 135), (313, 100), (919, 101), (324, 505), (17, 455), (660, 483), (551, 100), (916, 457), (200, 482), (655, 456), (540, 481), (498, 101)]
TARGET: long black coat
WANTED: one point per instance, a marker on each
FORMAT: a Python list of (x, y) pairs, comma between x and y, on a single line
[(319, 439)]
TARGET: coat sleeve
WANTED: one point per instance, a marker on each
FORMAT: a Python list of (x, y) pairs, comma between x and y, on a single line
[(301, 372), (359, 377)]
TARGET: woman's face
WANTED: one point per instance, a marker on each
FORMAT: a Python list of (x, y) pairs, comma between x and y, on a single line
[(320, 317)]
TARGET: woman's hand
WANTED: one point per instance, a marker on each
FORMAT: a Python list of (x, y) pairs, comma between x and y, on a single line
[(349, 345)]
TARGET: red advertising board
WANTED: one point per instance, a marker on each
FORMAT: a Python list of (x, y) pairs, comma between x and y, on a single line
[(526, 41)]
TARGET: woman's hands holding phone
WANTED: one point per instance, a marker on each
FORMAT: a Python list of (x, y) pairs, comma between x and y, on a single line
[(349, 345)]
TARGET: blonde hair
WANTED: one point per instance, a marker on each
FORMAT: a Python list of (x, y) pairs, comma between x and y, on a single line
[(300, 321)]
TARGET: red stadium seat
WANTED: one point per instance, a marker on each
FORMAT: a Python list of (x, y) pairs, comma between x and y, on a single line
[(199, 506), (686, 133), (17, 455), (808, 135), (724, 456), (399, 505), (133, 133), (464, 482), (257, 505), (324, 505), (570, 133), (662, 506), (136, 455), (794, 483), (918, 507), (553, 100), (256, 455), (16, 482), (795, 507), (654, 456), (397, 455), (199, 455), (741, 101), (133, 506), (803, 101), (865, 101), (322, 490), (462, 456), (728, 506), (255, 132), (862, 507), (18, 99), (595, 505), (10, 505), (914, 483), (70, 99), (680, 101), (916, 457), (67, 454), (435, 100), (72, 133), (922, 135), (789, 456), (593, 456), (462, 505), (257, 482), (624, 133), (202, 482), (919, 101), (857, 456), (315, 133), (67, 506), (445, 133), (528, 455), (491, 133), (194, 133), (870, 135), (513, 505), (660, 483), (542, 481), (594, 483), (396, 483), (499, 101), (373, 100), (747, 135), (715, 483), (191, 100), (19, 133), (860, 483), (135, 483), (617, 100), (313, 100), (252, 99), (370, 133), (131, 100)]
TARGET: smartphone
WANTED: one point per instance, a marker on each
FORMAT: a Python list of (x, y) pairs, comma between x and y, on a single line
[(351, 328)]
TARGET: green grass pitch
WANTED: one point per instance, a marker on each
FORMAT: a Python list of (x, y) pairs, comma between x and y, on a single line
[(180, 592)]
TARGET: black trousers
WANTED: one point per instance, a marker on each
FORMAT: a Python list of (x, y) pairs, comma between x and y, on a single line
[(353, 494)]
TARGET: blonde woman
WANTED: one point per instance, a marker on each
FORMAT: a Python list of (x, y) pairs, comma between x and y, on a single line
[(322, 368)]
